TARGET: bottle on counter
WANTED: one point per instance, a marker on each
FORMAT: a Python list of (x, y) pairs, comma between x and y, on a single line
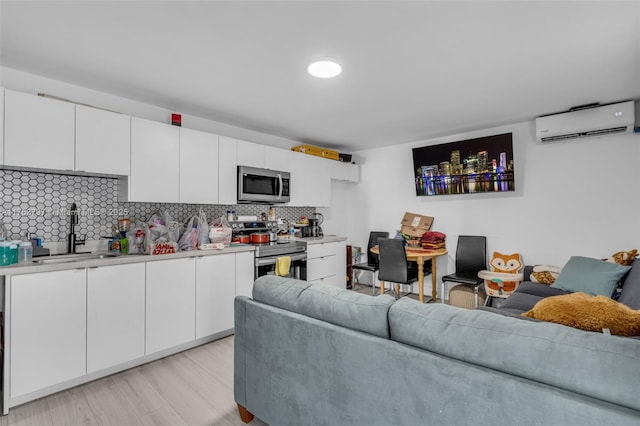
[(25, 251), (5, 253)]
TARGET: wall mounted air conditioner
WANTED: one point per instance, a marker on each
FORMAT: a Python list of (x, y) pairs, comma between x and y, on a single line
[(592, 120)]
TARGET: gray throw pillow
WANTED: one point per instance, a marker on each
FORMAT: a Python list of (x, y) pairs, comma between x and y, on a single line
[(588, 275)]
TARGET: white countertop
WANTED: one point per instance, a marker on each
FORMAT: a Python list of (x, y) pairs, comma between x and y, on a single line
[(316, 240), (30, 268)]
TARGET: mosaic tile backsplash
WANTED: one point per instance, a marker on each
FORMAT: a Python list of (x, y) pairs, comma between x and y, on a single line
[(39, 203)]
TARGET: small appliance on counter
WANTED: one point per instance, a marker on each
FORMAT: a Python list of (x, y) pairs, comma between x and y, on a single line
[(314, 229)]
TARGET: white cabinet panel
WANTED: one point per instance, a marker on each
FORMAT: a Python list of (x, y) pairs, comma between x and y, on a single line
[(103, 141), (340, 267), (155, 157), (244, 274), (115, 315), (48, 329), (317, 181), (170, 303), (215, 291), (320, 267), (38, 132), (352, 172), (1, 125), (227, 171), (327, 263), (250, 154), (198, 167), (297, 186)]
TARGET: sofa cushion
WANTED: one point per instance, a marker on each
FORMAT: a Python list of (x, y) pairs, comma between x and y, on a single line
[(528, 294), (586, 312), (588, 275), (570, 359), (327, 303), (630, 295)]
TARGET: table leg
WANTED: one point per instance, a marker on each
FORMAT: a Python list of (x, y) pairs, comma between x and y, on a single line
[(381, 287), (434, 282), (420, 262)]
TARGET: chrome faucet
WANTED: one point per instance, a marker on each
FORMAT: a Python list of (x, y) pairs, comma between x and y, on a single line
[(72, 239)]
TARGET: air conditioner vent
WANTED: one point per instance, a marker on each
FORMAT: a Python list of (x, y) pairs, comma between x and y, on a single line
[(581, 123)]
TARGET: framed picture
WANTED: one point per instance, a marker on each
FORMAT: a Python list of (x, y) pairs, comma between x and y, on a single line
[(465, 167)]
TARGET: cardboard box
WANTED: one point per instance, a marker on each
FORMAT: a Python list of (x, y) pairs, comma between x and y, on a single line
[(415, 225)]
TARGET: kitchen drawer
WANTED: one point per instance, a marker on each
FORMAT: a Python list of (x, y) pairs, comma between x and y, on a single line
[(320, 250), (325, 280), (320, 267)]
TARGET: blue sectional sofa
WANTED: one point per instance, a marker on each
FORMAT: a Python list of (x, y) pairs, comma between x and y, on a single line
[(310, 354), (529, 293)]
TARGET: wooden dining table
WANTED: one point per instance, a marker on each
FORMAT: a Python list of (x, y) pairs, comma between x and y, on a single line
[(419, 255)]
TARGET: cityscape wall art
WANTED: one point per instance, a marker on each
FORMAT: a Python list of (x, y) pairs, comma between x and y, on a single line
[(465, 167)]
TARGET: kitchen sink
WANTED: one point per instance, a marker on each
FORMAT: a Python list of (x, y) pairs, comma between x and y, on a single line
[(75, 257)]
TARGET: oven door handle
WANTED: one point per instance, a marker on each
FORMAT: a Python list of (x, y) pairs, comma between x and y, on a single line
[(262, 261)]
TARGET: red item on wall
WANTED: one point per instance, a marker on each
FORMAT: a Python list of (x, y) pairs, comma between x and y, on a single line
[(176, 119)]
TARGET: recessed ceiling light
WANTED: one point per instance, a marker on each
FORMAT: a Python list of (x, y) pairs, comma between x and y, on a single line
[(324, 68)]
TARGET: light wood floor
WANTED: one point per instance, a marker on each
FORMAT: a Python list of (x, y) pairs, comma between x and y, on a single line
[(194, 387)]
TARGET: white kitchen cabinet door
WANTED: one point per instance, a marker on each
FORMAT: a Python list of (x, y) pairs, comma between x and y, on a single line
[(38, 132), (48, 329), (103, 141), (215, 291), (250, 154), (327, 263), (155, 162), (277, 159), (198, 167), (352, 172), (244, 273), (115, 315), (317, 181), (297, 186), (170, 303), (1, 125), (227, 171)]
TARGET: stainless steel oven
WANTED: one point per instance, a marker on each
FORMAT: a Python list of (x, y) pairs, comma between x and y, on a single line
[(266, 265)]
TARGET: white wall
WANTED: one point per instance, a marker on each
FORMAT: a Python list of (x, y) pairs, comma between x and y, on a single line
[(573, 198)]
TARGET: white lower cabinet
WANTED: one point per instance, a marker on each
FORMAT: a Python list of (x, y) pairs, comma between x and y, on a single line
[(115, 315), (48, 334), (215, 290), (65, 325), (170, 303), (326, 263), (244, 274)]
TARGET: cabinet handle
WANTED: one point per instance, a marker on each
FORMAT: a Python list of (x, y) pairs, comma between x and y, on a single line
[(93, 267)]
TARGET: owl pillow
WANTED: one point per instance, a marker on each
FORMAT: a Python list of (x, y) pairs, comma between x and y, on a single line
[(506, 264)]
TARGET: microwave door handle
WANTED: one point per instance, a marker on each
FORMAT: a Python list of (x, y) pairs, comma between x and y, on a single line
[(279, 186)]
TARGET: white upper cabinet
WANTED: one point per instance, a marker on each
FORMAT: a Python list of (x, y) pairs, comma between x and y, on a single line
[(155, 158), (317, 181), (103, 141), (250, 154), (1, 125), (227, 171), (278, 159), (198, 167), (39, 132)]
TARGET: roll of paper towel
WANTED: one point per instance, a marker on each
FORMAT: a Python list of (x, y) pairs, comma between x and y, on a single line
[(247, 218)]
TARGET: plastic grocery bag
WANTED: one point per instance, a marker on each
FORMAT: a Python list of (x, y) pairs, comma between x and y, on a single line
[(163, 234), (137, 238), (220, 231), (203, 228), (189, 239)]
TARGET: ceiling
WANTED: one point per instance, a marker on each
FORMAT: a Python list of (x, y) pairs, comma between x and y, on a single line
[(411, 70)]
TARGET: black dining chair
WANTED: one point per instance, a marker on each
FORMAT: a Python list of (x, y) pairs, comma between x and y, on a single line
[(471, 258), (371, 265), (394, 267)]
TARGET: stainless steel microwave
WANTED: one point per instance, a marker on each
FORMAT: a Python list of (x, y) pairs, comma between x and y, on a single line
[(257, 185)]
